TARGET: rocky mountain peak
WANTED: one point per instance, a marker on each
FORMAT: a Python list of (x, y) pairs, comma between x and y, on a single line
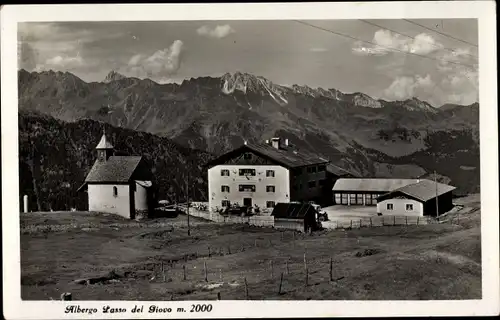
[(113, 76)]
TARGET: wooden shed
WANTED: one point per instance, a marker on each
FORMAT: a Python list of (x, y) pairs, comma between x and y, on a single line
[(295, 216)]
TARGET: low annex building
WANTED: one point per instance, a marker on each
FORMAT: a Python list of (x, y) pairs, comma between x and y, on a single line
[(425, 197), (262, 175), (119, 184), (295, 216), (365, 191)]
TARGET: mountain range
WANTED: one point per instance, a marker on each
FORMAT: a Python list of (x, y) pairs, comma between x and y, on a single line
[(367, 136)]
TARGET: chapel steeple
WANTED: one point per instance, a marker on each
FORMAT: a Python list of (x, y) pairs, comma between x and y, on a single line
[(104, 148)]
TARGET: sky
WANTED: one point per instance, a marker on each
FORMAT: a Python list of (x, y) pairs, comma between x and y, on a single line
[(392, 60)]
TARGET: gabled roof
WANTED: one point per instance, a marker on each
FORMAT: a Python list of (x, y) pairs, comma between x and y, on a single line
[(371, 184), (338, 171), (115, 169), (424, 190), (292, 210), (104, 143), (286, 157)]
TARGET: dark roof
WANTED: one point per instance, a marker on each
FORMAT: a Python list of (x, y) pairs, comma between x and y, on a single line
[(338, 171), (292, 210), (115, 169), (424, 190), (371, 184), (284, 156)]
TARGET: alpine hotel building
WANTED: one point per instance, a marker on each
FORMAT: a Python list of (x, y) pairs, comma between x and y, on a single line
[(262, 175)]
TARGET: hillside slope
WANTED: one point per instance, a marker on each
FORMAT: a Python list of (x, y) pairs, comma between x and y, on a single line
[(55, 157)]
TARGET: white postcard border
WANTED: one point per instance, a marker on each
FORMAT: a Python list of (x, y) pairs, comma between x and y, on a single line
[(484, 11)]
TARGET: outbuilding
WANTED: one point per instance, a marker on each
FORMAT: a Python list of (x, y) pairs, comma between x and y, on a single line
[(295, 216), (422, 198), (365, 191)]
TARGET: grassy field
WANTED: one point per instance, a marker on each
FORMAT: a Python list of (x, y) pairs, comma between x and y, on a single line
[(122, 260)]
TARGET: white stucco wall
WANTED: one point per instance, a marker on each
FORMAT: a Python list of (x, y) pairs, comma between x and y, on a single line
[(141, 197), (101, 199), (281, 182), (399, 207)]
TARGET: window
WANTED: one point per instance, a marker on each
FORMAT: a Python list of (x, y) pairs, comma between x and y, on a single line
[(390, 206), (270, 188), (226, 203), (247, 172), (247, 187), (270, 204), (224, 172), (311, 184), (298, 171), (115, 192), (269, 173), (247, 156), (311, 169), (321, 167), (224, 188), (409, 207)]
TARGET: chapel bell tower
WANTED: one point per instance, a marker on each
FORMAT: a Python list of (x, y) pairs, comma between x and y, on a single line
[(104, 149)]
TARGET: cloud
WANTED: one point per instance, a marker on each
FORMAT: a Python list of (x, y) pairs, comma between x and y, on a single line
[(218, 32), (385, 42), (407, 87), (160, 65), (27, 57), (318, 50)]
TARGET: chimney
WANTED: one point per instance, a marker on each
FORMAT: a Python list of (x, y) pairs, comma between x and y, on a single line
[(286, 143), (267, 141), (276, 143), (245, 142)]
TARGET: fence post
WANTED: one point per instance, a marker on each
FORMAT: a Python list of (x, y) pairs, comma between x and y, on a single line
[(272, 269), (371, 224), (418, 218), (406, 220), (394, 223), (282, 236), (184, 271), (229, 249), (281, 282), (382, 221), (351, 224), (307, 278), (286, 267), (218, 295), (246, 289), (305, 262), (209, 252), (360, 223), (255, 244), (331, 269), (205, 268)]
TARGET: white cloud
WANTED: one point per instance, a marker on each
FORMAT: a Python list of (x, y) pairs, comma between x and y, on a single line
[(407, 87), (62, 63), (159, 65), (318, 50), (386, 41), (218, 32), (135, 60)]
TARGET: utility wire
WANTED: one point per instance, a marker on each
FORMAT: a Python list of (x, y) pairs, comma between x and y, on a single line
[(441, 33), (405, 35), (372, 43)]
